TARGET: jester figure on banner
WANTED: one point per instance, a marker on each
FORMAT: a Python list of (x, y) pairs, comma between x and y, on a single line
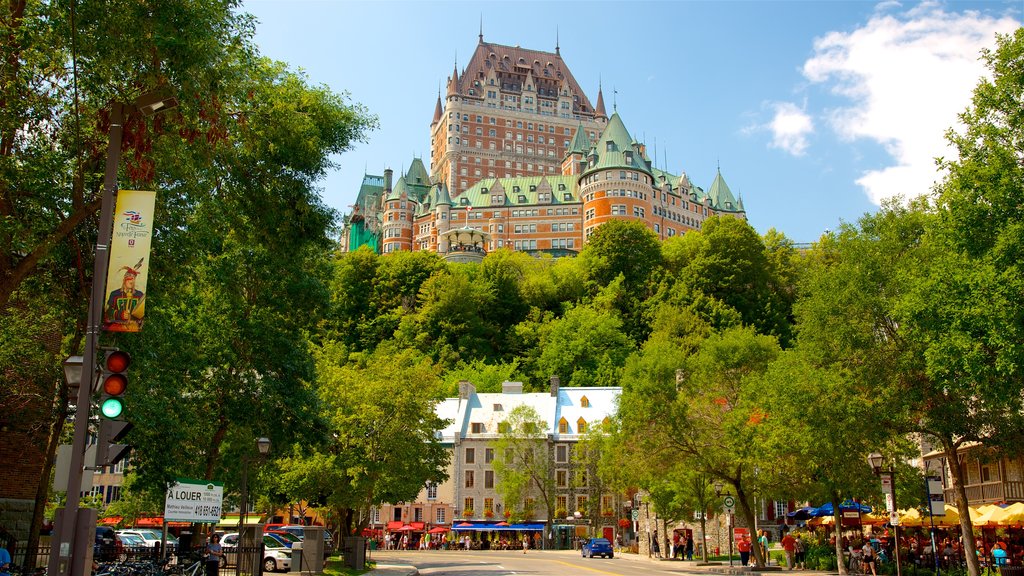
[(126, 306)]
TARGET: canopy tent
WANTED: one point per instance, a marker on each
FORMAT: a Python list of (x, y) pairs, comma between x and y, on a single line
[(496, 527), (1012, 515), (987, 515), (865, 520), (913, 518)]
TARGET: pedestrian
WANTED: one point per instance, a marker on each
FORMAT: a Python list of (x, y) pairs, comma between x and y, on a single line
[(868, 552), (526, 543), (762, 543), (654, 545), (801, 554), (214, 552), (466, 540), (5, 561), (689, 546), (789, 547), (744, 546), (676, 548)]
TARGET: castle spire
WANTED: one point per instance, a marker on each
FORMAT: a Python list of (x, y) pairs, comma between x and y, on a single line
[(437, 107), (599, 109), (481, 27), (557, 48)]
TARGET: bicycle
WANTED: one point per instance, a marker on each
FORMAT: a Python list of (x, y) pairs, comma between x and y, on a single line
[(196, 568)]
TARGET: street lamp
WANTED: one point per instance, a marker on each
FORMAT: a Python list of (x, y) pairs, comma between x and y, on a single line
[(875, 460), (728, 519), (74, 526), (263, 446)]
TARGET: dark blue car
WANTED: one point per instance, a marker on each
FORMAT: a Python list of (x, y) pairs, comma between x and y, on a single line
[(598, 547)]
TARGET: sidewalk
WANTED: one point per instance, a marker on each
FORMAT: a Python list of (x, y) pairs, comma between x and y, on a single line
[(393, 570)]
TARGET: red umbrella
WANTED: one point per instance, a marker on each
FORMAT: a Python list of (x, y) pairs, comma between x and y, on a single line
[(464, 525), (437, 530), (503, 524), (406, 528)]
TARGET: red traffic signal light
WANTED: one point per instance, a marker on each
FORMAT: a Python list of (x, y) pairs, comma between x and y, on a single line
[(117, 361), (115, 384)]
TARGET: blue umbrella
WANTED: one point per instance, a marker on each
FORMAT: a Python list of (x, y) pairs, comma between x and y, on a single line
[(805, 513), (848, 505)]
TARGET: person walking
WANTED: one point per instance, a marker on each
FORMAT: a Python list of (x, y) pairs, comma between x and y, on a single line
[(526, 543), (801, 553), (744, 546), (689, 546), (214, 553), (868, 558), (789, 547)]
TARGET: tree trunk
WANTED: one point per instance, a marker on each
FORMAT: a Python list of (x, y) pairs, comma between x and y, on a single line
[(748, 517), (960, 493), (704, 534), (42, 493), (837, 526)]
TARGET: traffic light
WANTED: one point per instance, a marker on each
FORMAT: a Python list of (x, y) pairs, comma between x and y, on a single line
[(108, 451), (113, 427), (114, 383)]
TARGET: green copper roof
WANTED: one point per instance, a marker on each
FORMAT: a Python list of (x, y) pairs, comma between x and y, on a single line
[(398, 190), (443, 198), (562, 189), (369, 192), (721, 196), (580, 142), (614, 149), (417, 174)]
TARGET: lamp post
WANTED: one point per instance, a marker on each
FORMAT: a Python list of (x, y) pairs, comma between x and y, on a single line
[(875, 460), (263, 446), (728, 519), (74, 526), (718, 521)]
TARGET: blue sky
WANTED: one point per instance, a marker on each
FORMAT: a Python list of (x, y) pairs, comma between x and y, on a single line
[(815, 111)]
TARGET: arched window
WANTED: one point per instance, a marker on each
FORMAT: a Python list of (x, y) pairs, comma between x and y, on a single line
[(581, 426), (563, 426)]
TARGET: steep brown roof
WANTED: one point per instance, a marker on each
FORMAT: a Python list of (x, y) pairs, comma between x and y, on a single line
[(519, 61)]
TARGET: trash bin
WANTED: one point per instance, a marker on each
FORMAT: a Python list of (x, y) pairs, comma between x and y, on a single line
[(297, 563), (354, 549)]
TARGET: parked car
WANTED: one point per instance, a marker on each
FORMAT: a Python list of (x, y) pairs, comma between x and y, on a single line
[(287, 538), (276, 556), (107, 548), (298, 532), (148, 538), (598, 547)]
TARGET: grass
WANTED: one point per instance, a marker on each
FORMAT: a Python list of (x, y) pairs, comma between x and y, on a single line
[(335, 567)]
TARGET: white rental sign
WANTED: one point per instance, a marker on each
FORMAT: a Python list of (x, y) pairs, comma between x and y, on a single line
[(194, 501)]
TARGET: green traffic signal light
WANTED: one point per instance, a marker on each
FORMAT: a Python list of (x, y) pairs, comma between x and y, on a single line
[(111, 407)]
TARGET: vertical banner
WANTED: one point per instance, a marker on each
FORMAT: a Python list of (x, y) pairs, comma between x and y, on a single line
[(125, 306)]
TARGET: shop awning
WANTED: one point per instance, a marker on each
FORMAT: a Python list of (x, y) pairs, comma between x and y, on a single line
[(395, 524), (418, 526)]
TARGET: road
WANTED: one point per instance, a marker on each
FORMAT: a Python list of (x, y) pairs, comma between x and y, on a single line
[(533, 563)]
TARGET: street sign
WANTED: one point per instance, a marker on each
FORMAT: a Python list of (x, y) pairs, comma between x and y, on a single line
[(894, 518), (194, 501), (636, 515), (729, 503)]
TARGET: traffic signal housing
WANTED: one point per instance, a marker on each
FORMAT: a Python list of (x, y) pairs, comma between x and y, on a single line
[(112, 426), (114, 384)]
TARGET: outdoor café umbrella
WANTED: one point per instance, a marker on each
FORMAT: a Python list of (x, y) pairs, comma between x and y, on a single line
[(914, 518), (406, 528), (849, 505), (437, 530), (986, 515), (805, 513), (1012, 515)]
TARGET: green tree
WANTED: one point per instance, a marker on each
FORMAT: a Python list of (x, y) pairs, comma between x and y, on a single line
[(379, 444), (523, 464), (586, 346), (687, 402)]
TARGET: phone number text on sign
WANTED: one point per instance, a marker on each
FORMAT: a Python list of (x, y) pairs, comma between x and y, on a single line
[(194, 501)]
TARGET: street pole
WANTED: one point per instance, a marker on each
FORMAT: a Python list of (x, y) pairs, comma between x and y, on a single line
[(69, 553), (245, 494), (896, 526), (730, 538)]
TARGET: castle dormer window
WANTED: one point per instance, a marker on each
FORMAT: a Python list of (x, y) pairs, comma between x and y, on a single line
[(561, 187), (610, 146), (522, 199), (533, 188)]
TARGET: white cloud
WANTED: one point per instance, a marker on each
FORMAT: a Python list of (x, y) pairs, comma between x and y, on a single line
[(907, 76), (790, 127)]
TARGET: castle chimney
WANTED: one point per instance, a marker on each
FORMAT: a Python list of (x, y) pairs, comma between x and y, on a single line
[(466, 389), (387, 181), (554, 385)]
